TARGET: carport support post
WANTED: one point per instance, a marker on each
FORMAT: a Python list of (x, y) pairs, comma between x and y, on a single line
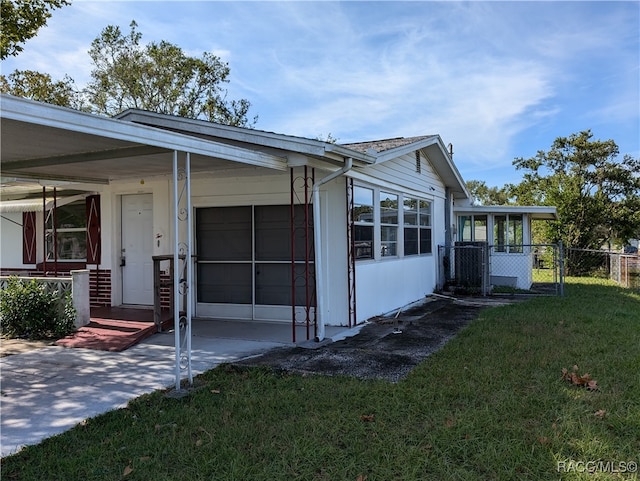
[(317, 244), (182, 273)]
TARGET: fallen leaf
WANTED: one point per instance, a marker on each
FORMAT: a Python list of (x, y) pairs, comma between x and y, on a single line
[(449, 422), (361, 477), (577, 380), (127, 471), (543, 440), (368, 418), (215, 391), (145, 458), (600, 413)]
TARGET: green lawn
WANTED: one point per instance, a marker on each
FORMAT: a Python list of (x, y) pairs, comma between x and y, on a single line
[(490, 405)]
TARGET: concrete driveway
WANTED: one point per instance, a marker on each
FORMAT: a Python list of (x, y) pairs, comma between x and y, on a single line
[(46, 391)]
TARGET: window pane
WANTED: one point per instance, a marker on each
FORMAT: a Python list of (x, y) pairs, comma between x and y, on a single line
[(363, 213), (362, 196), (389, 240), (410, 211), (425, 241), (362, 205), (464, 228), (500, 233), (515, 233), (72, 215), (71, 245), (425, 213), (410, 241), (480, 228), (388, 208), (363, 241)]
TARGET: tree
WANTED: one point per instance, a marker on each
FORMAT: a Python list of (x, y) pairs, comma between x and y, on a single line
[(485, 195), (161, 78), (20, 20), (41, 87), (598, 197)]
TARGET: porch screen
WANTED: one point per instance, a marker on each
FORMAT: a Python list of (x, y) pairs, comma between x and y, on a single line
[(244, 254)]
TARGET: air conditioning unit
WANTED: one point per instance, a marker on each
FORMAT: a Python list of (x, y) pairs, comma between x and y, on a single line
[(472, 265)]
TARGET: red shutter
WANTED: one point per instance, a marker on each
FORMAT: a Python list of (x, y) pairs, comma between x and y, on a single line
[(28, 237), (93, 230)]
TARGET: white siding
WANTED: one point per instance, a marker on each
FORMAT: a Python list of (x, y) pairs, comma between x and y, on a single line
[(11, 245), (388, 284)]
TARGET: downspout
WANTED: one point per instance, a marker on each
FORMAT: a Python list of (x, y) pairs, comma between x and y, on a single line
[(444, 267), (317, 243), (447, 218)]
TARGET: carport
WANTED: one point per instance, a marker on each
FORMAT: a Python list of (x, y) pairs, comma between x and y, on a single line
[(51, 145)]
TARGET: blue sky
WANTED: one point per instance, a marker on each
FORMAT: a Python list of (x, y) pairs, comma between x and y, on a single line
[(498, 80)]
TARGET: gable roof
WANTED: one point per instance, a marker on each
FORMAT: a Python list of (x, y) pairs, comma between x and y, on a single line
[(431, 146), (375, 147)]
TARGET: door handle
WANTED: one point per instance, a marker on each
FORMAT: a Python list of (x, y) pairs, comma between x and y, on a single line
[(123, 261)]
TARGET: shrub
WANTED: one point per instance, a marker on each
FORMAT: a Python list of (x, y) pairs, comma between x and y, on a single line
[(27, 310)]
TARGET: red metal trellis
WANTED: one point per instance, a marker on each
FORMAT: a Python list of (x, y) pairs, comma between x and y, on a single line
[(302, 267)]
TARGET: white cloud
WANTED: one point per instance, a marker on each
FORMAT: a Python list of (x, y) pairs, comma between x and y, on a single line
[(487, 76)]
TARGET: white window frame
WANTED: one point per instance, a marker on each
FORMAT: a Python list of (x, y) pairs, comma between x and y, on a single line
[(424, 222)]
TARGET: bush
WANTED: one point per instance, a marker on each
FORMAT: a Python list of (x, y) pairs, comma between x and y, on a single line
[(28, 311)]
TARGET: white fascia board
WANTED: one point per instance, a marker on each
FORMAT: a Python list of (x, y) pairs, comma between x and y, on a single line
[(454, 168), (535, 211), (445, 162), (68, 119), (405, 149)]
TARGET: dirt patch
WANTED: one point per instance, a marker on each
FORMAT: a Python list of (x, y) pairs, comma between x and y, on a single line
[(386, 348), (9, 347)]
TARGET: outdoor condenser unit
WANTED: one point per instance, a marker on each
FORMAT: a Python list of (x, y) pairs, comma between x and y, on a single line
[(472, 265)]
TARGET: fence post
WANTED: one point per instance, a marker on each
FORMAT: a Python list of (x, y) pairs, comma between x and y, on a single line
[(561, 267), (80, 296)]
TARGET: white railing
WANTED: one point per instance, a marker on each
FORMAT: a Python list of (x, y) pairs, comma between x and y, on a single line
[(77, 285)]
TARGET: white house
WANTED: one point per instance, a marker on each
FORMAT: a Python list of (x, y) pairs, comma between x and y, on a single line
[(262, 226)]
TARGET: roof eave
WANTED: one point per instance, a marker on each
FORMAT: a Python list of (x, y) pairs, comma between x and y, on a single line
[(25, 110), (288, 143), (538, 212)]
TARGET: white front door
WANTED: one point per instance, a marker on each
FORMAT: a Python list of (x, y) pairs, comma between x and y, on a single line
[(137, 249)]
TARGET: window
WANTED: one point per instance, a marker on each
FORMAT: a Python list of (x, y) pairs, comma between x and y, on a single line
[(388, 224), (417, 226), (424, 214), (472, 227), (507, 233), (362, 216), (71, 232), (402, 224)]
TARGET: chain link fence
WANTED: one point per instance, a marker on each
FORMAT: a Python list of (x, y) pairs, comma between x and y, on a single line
[(622, 268), (478, 268), (482, 269)]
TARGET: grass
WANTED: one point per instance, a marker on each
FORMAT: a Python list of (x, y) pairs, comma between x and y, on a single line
[(490, 405)]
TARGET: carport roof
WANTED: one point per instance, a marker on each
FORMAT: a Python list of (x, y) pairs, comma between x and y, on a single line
[(44, 141)]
